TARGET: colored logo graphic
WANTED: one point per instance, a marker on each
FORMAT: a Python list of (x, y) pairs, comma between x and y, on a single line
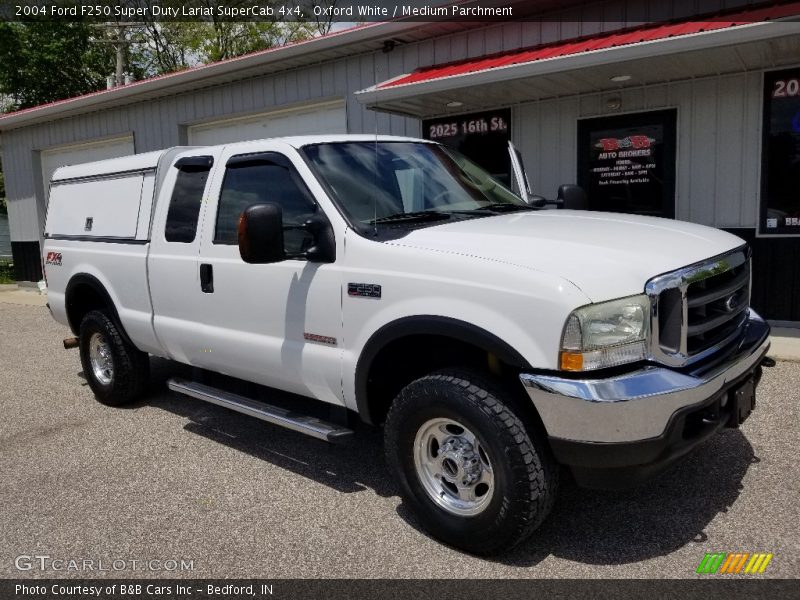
[(724, 563), (637, 142)]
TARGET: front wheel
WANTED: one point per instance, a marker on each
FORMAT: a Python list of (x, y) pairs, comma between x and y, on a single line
[(466, 463)]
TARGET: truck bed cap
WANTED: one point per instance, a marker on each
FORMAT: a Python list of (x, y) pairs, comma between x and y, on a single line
[(135, 162)]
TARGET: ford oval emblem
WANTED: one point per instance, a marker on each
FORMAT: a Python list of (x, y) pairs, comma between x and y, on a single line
[(732, 303)]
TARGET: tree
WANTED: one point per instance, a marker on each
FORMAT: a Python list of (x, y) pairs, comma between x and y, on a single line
[(167, 46), (44, 61), (220, 40), (322, 21)]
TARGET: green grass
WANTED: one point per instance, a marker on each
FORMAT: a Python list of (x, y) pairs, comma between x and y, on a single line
[(6, 272)]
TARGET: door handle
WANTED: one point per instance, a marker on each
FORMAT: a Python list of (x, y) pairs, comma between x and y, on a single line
[(207, 278)]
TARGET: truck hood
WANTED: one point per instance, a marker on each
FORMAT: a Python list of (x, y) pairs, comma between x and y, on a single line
[(606, 255)]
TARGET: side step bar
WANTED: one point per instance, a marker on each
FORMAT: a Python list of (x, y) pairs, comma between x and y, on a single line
[(266, 412)]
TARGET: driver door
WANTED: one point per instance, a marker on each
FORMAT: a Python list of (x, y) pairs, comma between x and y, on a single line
[(276, 324)]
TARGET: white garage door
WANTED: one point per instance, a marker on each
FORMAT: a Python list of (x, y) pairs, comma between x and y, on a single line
[(318, 118), (82, 153)]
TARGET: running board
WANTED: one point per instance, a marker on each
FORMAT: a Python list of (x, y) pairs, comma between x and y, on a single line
[(266, 412)]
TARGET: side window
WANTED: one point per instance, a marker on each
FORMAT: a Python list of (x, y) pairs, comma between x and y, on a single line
[(259, 180), (187, 198)]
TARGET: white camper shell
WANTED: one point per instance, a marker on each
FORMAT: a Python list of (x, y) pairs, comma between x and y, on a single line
[(109, 199)]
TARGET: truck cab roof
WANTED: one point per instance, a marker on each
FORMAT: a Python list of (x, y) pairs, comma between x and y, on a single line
[(151, 160)]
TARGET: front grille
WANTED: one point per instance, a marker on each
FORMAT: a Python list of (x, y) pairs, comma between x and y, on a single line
[(717, 307), (699, 309)]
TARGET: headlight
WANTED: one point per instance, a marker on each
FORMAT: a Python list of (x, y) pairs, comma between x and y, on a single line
[(606, 334)]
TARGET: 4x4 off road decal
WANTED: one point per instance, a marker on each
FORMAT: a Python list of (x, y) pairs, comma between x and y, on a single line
[(363, 290), (53, 258)]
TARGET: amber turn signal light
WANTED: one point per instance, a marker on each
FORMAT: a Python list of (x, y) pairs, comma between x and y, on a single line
[(571, 361)]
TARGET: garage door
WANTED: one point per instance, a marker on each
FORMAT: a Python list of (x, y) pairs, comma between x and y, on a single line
[(82, 153), (318, 118)]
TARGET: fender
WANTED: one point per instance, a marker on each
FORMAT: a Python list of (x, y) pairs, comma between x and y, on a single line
[(94, 283), (427, 325)]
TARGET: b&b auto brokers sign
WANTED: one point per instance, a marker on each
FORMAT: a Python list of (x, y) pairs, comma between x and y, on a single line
[(624, 161)]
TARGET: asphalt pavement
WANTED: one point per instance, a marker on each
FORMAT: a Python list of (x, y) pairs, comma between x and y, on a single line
[(174, 479)]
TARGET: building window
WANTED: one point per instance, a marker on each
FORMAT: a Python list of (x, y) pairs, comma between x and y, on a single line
[(187, 198), (626, 163), (482, 137), (780, 177)]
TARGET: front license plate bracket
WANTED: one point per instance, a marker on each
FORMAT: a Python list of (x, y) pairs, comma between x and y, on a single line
[(742, 400)]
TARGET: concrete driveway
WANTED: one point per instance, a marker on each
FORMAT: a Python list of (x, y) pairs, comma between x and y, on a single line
[(172, 479)]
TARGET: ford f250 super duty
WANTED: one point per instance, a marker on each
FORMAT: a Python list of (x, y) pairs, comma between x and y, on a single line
[(399, 283)]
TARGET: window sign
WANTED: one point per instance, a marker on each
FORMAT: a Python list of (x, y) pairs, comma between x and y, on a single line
[(780, 195), (627, 163), (482, 137)]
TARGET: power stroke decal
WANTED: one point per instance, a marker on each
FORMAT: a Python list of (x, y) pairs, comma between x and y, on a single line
[(321, 339)]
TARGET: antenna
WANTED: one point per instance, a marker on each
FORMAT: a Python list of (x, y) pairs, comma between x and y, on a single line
[(375, 191)]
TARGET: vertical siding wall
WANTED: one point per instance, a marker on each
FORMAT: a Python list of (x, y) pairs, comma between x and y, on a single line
[(162, 123), (719, 142)]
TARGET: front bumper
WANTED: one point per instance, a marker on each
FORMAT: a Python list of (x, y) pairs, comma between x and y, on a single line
[(620, 430)]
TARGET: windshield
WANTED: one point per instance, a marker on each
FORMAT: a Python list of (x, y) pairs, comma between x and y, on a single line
[(404, 182)]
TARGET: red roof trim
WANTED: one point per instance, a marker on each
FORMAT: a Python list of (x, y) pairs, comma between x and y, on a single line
[(627, 37)]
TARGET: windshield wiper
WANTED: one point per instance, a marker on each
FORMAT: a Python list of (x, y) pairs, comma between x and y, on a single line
[(412, 217), (499, 207), (505, 207)]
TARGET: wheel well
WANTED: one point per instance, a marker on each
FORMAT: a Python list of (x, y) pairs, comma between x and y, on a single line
[(410, 357), (85, 293)]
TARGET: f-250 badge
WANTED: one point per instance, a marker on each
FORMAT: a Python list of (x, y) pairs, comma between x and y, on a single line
[(364, 290), (53, 258)]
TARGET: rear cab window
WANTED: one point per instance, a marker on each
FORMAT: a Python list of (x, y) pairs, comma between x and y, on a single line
[(187, 198)]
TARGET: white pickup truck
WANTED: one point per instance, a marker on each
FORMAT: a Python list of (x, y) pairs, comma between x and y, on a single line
[(393, 281)]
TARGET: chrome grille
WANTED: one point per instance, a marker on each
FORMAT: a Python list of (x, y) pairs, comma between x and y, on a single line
[(699, 309), (717, 307)]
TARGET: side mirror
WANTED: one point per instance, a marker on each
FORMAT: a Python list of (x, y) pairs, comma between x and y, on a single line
[(261, 234), (572, 197)]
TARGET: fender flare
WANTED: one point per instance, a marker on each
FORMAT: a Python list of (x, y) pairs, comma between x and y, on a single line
[(426, 325), (94, 283)]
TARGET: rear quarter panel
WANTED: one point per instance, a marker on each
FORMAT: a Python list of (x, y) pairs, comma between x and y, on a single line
[(120, 268)]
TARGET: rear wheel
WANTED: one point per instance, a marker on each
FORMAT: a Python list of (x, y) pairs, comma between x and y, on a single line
[(474, 475), (116, 371)]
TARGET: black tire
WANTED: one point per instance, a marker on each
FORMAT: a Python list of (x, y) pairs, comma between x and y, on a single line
[(525, 475), (131, 367)]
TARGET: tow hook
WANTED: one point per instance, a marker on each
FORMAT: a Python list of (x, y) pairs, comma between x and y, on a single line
[(768, 362), (71, 342)]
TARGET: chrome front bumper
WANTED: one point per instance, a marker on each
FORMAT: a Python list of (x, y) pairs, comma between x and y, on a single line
[(639, 405)]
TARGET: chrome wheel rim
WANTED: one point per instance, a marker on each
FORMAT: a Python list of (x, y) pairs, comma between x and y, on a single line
[(453, 467), (100, 359)]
